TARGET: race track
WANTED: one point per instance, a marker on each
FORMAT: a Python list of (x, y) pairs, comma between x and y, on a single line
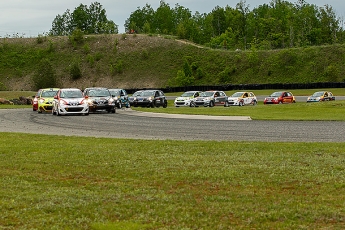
[(137, 125)]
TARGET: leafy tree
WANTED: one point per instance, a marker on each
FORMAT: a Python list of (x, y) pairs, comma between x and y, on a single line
[(218, 20), (90, 20), (164, 19), (140, 20)]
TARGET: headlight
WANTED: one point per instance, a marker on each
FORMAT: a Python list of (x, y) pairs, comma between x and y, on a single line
[(41, 100), (150, 98), (62, 102)]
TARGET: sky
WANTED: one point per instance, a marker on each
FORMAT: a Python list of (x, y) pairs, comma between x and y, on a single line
[(30, 18)]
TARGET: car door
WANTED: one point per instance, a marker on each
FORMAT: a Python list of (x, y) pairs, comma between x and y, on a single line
[(287, 97), (219, 98), (159, 97), (246, 98)]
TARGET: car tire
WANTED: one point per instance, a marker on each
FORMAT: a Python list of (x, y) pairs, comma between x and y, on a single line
[(211, 103), (255, 102), (192, 104), (226, 104), (152, 105), (165, 104), (157, 104), (240, 103), (280, 102), (53, 112), (119, 106)]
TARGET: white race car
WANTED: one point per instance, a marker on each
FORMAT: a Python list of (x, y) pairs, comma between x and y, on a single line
[(242, 98), (70, 101), (186, 99)]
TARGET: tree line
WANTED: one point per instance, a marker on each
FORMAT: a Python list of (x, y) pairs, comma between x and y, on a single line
[(278, 24)]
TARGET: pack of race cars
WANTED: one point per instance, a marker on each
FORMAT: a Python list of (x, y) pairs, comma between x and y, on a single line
[(75, 101)]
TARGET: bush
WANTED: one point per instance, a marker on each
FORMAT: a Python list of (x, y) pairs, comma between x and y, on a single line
[(77, 37), (75, 71), (45, 75)]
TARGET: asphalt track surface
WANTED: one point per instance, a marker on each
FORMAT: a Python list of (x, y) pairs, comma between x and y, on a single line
[(127, 123)]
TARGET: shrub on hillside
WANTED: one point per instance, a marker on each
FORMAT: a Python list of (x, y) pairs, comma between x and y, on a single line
[(75, 71), (77, 37), (44, 76)]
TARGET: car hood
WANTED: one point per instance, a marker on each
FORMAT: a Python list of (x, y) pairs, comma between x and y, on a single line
[(68, 100), (234, 98), (183, 98), (99, 98), (312, 97)]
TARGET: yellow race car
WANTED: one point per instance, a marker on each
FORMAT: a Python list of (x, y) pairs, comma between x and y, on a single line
[(45, 99)]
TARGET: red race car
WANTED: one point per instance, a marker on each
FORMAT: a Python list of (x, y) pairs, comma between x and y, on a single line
[(280, 98), (35, 100)]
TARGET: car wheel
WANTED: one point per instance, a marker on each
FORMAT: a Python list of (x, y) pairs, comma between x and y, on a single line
[(192, 104), (240, 103), (211, 103), (255, 102), (280, 102), (53, 111), (165, 104), (157, 104), (119, 105), (152, 105), (226, 104)]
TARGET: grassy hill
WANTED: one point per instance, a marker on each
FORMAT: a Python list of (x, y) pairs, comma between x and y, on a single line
[(143, 61)]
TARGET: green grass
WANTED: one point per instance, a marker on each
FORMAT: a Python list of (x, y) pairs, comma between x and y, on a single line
[(331, 111), (267, 92), (56, 182)]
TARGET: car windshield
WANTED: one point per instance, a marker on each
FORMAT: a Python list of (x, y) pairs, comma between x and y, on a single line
[(187, 94), (137, 93), (49, 93), (115, 92), (147, 93), (317, 94), (206, 94), (276, 94), (71, 94), (238, 94), (98, 93)]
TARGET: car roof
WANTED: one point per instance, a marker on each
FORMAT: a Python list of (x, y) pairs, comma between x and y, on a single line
[(69, 89)]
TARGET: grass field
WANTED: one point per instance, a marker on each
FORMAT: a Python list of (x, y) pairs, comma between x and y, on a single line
[(56, 182)]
